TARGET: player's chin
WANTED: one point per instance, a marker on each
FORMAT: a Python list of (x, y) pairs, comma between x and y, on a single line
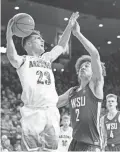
[(82, 75), (42, 50), (110, 107)]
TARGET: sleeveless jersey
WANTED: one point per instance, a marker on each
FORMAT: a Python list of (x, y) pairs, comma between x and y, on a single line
[(65, 138), (37, 82), (85, 114), (113, 129)]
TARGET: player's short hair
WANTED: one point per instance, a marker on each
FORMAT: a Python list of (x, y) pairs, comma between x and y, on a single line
[(87, 58), (24, 40), (65, 117), (111, 96)]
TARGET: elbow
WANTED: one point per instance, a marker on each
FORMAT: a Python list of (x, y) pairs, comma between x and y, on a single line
[(10, 56), (62, 44), (95, 54), (61, 47)]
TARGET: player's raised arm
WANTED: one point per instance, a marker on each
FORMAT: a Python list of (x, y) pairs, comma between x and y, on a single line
[(63, 99), (95, 57), (59, 49), (12, 55)]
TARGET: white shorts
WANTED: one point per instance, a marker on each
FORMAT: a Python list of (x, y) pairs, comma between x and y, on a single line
[(40, 128)]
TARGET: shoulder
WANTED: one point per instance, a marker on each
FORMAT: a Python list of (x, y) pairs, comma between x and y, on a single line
[(69, 91), (71, 129), (61, 128), (72, 89), (119, 116), (47, 56), (24, 58)]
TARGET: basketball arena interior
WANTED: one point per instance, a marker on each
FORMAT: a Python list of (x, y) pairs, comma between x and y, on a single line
[(99, 22)]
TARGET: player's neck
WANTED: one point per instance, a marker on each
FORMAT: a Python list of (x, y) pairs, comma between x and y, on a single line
[(65, 128), (113, 112), (83, 83), (34, 54)]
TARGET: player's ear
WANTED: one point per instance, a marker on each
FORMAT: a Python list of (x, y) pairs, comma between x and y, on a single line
[(28, 43)]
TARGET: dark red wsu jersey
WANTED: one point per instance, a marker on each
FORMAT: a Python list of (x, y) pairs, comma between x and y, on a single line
[(113, 129), (85, 114)]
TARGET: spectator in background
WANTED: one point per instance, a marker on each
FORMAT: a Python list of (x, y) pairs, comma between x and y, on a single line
[(15, 120), (17, 147), (7, 145), (110, 125), (6, 125), (4, 137), (65, 136)]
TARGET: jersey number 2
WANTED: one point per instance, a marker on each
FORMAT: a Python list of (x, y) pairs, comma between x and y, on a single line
[(77, 111), (45, 74)]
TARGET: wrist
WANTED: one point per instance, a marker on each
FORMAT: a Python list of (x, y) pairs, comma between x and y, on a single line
[(9, 37), (78, 33), (69, 27)]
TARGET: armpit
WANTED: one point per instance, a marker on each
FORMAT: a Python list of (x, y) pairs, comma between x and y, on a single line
[(97, 88)]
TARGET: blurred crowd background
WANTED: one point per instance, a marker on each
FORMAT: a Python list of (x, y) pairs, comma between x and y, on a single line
[(11, 96)]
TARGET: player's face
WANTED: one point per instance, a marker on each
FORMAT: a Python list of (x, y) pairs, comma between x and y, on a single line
[(7, 117), (111, 103), (37, 44), (85, 70), (66, 122)]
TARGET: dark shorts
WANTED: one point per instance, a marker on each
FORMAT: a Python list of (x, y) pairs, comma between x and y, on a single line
[(79, 146), (112, 147)]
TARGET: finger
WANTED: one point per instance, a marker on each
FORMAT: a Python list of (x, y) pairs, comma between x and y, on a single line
[(76, 15), (72, 16), (10, 23)]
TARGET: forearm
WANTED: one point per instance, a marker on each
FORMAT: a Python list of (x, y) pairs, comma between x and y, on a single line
[(61, 104), (62, 101), (65, 37), (88, 45), (11, 51)]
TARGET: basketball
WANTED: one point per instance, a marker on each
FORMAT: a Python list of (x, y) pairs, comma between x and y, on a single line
[(23, 25)]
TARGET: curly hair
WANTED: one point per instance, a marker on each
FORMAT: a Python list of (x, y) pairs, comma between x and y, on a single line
[(85, 58), (24, 39)]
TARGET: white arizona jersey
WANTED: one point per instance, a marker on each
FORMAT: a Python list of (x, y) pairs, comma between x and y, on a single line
[(65, 139), (37, 82)]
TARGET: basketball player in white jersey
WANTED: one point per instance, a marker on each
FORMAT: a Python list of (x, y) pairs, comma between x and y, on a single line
[(110, 125), (40, 116), (65, 136)]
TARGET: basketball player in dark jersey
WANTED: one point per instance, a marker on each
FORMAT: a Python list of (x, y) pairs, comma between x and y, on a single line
[(85, 100), (110, 125)]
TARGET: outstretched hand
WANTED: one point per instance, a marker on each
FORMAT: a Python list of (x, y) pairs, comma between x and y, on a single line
[(73, 19), (9, 32), (76, 28)]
